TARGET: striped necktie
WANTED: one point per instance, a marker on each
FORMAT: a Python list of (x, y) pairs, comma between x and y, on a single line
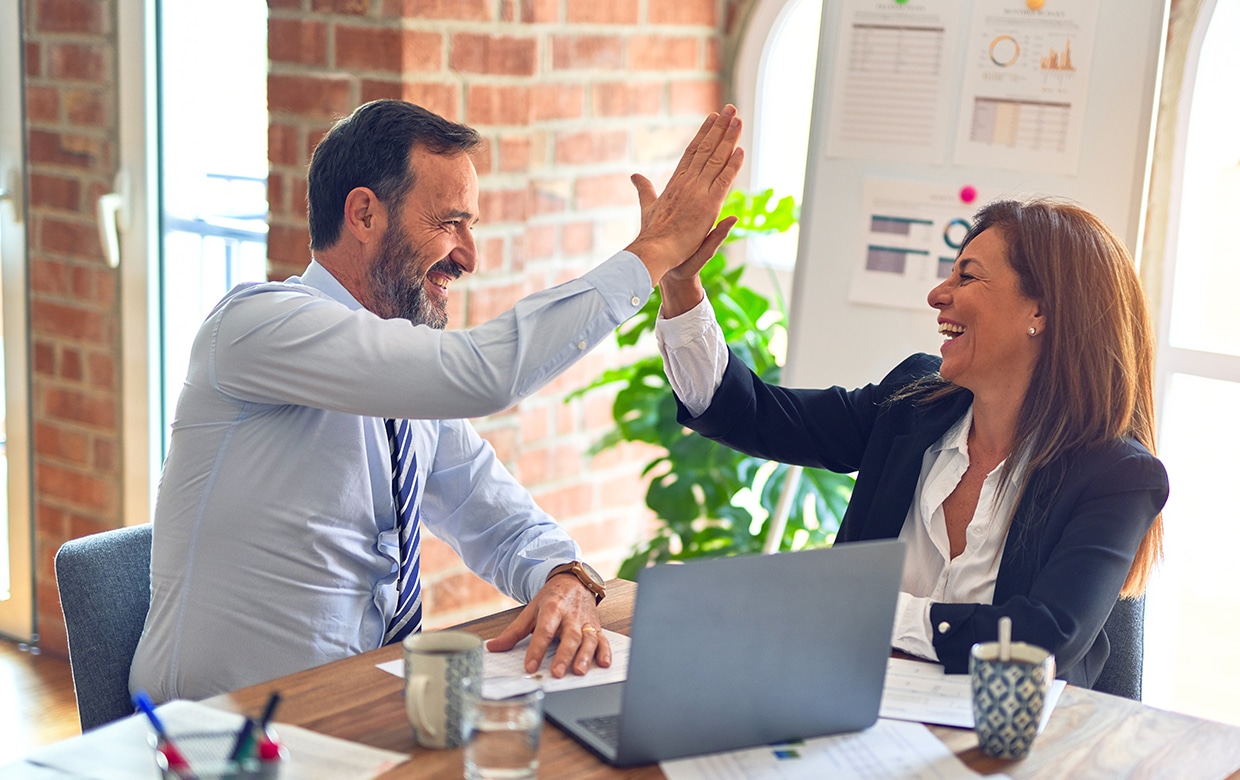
[(408, 616)]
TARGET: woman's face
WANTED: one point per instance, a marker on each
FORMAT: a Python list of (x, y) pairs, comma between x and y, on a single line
[(986, 320)]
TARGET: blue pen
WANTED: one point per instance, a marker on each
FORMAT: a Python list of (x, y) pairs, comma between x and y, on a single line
[(176, 761)]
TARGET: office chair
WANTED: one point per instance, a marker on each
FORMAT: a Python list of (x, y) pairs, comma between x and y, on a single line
[(1125, 627), (105, 592)]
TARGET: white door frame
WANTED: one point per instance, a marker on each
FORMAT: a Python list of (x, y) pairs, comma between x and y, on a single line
[(17, 612)]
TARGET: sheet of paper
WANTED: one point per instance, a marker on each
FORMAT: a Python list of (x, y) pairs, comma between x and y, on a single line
[(907, 241), (890, 80), (1025, 86), (501, 671), (923, 692), (888, 749), (122, 750)]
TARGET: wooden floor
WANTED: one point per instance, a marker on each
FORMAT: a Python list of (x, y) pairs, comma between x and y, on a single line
[(37, 705)]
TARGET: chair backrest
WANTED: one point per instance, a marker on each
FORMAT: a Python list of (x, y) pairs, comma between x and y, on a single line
[(1125, 627), (105, 592)]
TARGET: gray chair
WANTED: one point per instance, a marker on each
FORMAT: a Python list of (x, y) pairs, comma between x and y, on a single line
[(1125, 627), (105, 592)]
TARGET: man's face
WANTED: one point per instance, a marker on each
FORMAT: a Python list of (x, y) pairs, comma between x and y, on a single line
[(428, 242)]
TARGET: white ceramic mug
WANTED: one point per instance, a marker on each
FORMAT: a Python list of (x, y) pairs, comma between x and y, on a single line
[(443, 672)]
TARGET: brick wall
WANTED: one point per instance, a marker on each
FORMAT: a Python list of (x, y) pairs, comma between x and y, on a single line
[(572, 96), (74, 319)]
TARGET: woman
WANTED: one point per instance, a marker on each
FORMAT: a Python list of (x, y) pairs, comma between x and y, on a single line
[(1018, 467)]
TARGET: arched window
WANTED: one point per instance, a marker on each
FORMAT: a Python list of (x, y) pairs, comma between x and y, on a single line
[(775, 92), (1190, 625)]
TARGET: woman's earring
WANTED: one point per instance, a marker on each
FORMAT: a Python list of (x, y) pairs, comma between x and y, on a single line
[(1032, 330)]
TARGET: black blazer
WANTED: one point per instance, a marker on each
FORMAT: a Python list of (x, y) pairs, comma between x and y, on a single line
[(1072, 539)]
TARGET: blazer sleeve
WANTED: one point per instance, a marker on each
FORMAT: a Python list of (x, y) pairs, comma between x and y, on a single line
[(828, 428), (1067, 556)]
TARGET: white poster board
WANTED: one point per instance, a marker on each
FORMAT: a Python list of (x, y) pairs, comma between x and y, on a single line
[(1002, 100)]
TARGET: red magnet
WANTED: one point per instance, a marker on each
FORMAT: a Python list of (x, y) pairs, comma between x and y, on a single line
[(968, 193)]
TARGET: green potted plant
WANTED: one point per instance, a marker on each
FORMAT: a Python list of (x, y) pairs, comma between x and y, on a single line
[(712, 501)]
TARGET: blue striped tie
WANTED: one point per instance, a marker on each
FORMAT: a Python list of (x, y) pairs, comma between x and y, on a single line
[(408, 616)]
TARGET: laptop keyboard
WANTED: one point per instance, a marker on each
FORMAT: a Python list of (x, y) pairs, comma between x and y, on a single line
[(605, 727)]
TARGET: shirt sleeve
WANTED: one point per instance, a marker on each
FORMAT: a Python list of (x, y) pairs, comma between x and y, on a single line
[(478, 508), (695, 355), (911, 632), (291, 346)]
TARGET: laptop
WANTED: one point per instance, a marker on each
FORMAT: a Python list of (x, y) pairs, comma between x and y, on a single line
[(735, 652)]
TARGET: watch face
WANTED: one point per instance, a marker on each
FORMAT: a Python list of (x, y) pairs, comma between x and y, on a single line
[(591, 573)]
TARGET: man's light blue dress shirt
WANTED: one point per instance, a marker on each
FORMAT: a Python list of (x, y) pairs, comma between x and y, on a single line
[(275, 544)]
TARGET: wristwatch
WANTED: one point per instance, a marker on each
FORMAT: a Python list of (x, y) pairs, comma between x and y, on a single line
[(584, 572)]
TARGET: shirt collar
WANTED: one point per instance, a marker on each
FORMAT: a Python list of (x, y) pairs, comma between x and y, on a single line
[(321, 279)]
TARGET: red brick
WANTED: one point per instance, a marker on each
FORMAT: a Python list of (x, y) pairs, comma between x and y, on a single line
[(443, 99), (351, 7), (42, 103), (287, 5), (76, 62), (75, 487), (57, 192), (44, 358), (454, 10), (282, 147), (459, 591), (316, 97), (714, 56), (591, 146), (498, 206), (105, 456), (576, 52), (95, 284), (661, 52), (549, 196), (619, 98), (539, 241), (369, 48), (508, 11), (298, 41), (71, 365), (69, 238), (73, 406), (287, 244), (380, 89), (421, 51), (101, 371), (540, 11), (611, 12), (497, 105), (567, 501), (699, 12), (34, 60), (55, 442), (68, 321), (487, 303), (70, 16), (86, 108), (577, 238), (695, 97), (500, 55), (68, 150), (556, 101), (514, 153), (613, 189)]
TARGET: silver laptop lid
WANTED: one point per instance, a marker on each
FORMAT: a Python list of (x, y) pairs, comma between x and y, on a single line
[(735, 652)]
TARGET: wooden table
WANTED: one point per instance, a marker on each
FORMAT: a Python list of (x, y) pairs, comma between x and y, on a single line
[(1089, 734)]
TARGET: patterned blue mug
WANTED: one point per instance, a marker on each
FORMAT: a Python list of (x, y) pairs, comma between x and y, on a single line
[(1009, 696), (443, 673)]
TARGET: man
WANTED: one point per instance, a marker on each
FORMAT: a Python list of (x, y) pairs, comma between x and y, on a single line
[(320, 426)]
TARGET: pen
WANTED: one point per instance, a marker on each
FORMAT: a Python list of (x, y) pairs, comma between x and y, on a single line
[(245, 739), (268, 748), (269, 710), (176, 761)]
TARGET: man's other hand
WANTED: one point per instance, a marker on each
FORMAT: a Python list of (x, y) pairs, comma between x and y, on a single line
[(564, 608)]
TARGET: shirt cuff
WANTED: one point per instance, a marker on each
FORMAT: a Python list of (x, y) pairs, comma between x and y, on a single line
[(911, 632), (695, 355), (624, 283)]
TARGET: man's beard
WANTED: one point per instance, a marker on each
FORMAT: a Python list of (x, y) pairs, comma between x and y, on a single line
[(396, 295)]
